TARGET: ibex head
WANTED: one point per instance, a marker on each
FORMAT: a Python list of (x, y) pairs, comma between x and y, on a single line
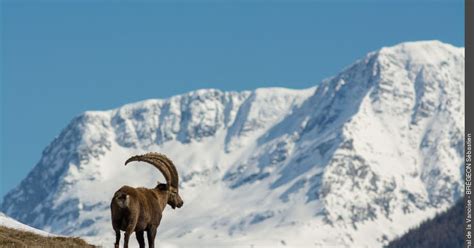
[(174, 200), (167, 168)]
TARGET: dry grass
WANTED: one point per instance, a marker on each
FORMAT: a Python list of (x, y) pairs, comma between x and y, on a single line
[(16, 238)]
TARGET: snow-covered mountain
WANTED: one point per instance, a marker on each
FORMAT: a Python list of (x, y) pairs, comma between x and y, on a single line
[(353, 162)]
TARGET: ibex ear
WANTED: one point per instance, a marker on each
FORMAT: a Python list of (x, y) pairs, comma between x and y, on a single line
[(162, 186)]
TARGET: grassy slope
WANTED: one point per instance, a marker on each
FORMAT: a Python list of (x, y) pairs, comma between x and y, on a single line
[(16, 238)]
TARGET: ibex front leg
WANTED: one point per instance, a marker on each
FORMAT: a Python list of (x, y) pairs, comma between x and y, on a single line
[(140, 238), (151, 234)]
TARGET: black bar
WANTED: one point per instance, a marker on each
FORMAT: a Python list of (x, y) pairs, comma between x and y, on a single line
[(469, 115)]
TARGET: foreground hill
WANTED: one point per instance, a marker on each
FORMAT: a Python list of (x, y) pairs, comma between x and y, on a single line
[(16, 234), (10, 237)]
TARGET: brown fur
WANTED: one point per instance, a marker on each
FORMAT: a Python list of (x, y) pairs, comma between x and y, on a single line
[(140, 209)]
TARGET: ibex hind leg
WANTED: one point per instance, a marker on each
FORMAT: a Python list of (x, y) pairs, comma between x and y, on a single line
[(117, 238), (130, 228), (151, 234)]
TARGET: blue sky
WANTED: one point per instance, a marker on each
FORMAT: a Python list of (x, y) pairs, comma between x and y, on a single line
[(59, 59)]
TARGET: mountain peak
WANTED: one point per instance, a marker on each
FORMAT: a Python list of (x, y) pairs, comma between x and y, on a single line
[(422, 52)]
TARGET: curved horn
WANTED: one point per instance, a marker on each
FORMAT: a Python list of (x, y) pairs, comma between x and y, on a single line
[(157, 163), (169, 164)]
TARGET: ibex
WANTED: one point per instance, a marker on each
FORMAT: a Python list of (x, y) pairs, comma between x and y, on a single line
[(140, 209)]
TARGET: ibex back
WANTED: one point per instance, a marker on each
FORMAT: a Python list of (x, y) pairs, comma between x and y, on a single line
[(140, 210)]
